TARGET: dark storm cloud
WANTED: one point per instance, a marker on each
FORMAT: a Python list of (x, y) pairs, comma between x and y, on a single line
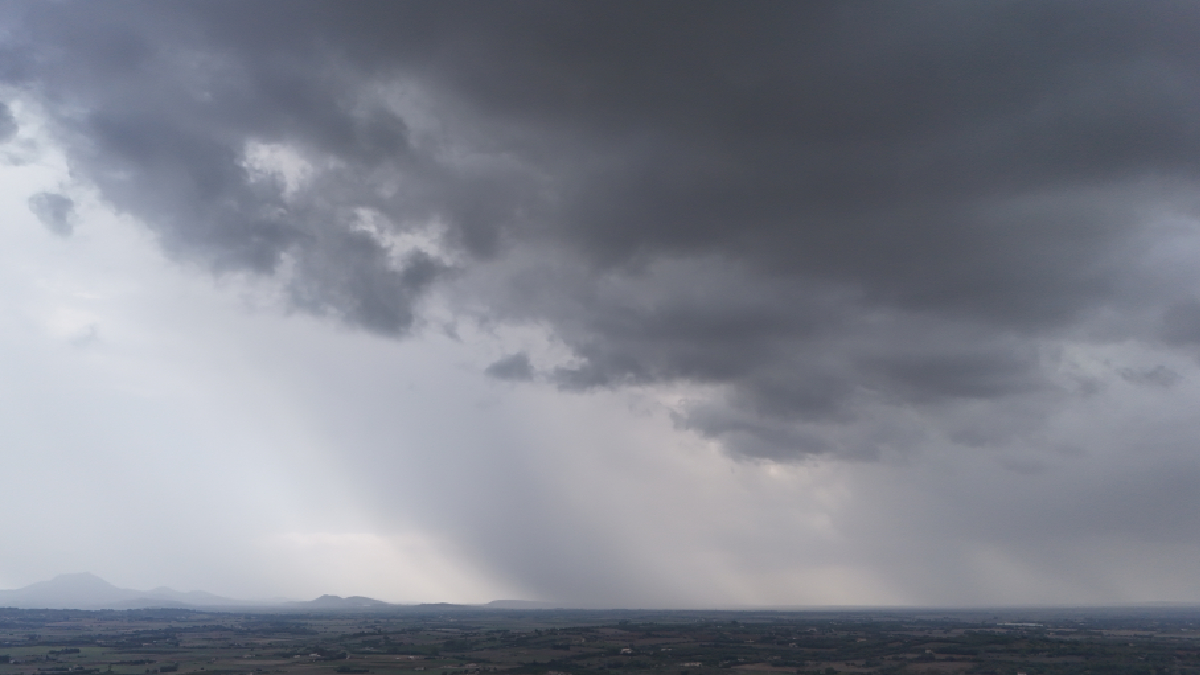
[(883, 205), (57, 212)]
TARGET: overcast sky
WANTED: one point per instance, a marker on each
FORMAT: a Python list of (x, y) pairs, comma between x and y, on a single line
[(672, 304)]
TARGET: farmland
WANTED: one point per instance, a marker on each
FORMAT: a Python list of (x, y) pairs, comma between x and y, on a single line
[(450, 640)]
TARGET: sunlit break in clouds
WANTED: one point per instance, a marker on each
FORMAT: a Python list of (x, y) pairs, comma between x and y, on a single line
[(679, 304)]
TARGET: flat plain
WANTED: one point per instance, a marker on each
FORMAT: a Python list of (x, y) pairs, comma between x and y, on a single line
[(453, 640)]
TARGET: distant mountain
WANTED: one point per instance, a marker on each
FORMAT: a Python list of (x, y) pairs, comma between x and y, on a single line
[(189, 597), (338, 602), (84, 590)]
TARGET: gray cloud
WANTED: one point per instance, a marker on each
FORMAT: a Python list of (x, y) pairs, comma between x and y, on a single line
[(55, 211), (826, 303), (514, 367), (1181, 323), (817, 207), (8, 123), (1158, 376)]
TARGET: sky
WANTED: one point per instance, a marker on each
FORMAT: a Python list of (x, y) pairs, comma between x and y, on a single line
[(672, 304)]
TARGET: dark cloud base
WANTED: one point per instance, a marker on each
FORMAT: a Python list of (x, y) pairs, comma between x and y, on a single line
[(822, 209)]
